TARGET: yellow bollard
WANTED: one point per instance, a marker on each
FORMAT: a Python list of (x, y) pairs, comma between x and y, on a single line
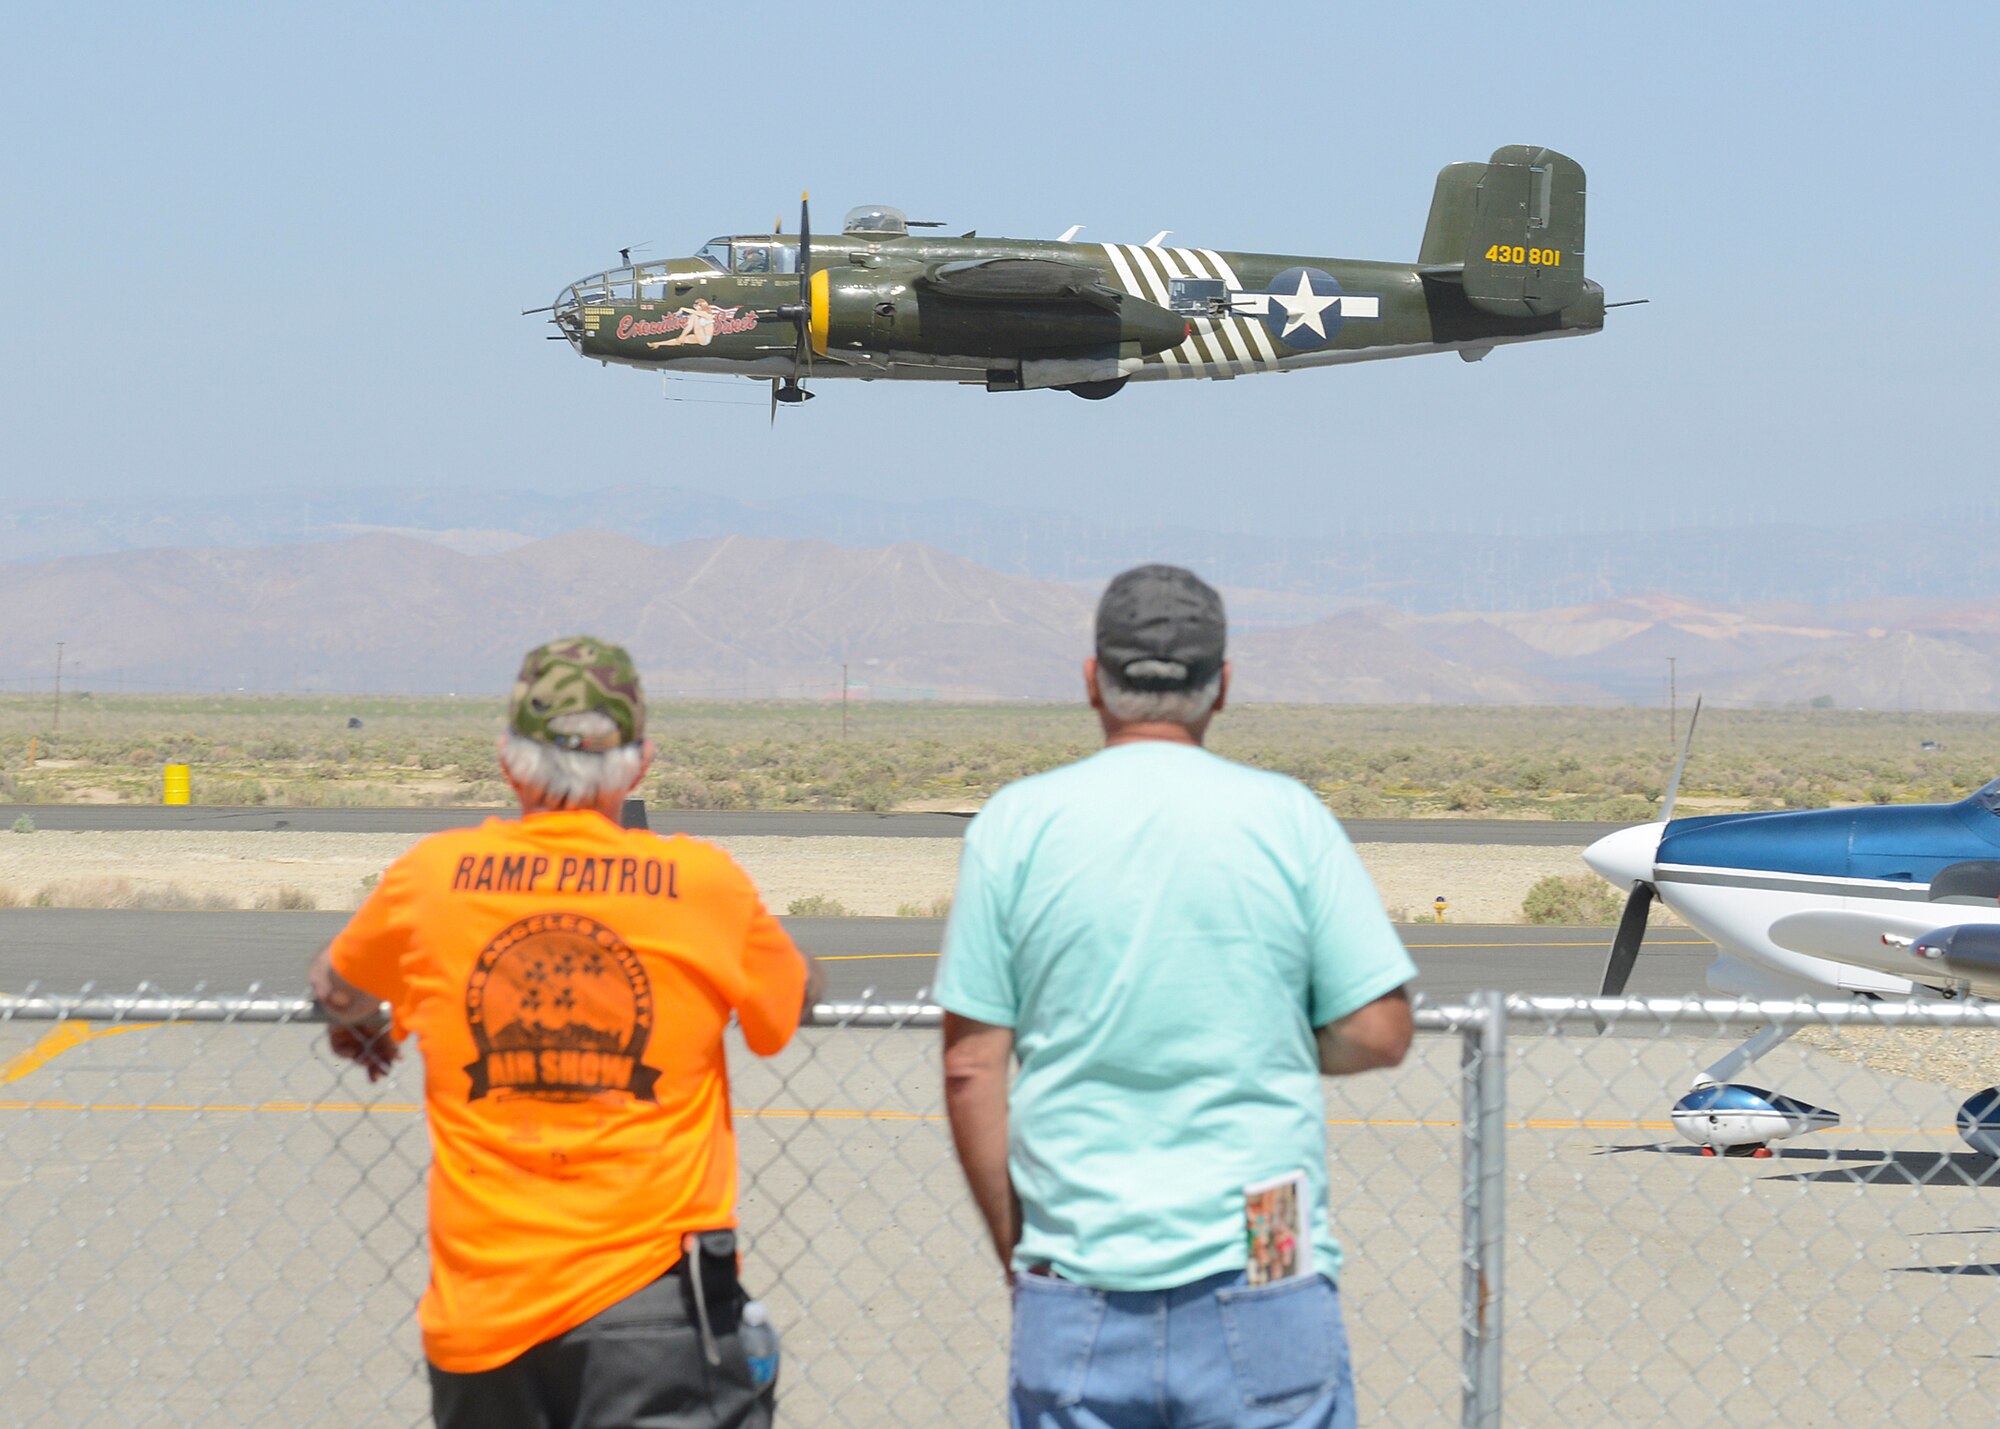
[(1440, 907), (176, 787)]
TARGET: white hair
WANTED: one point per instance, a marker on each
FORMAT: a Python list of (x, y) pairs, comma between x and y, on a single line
[(1183, 707), (570, 778)]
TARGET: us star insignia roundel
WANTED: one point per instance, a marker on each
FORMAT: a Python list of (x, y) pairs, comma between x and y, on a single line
[(1304, 307)]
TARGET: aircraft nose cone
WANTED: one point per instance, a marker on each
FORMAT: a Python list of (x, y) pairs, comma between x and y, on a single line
[(1626, 857)]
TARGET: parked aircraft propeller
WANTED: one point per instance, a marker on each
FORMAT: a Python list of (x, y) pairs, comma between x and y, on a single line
[(1639, 903), (1625, 942)]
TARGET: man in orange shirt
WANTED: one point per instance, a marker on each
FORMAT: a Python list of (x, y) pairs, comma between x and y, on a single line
[(568, 982)]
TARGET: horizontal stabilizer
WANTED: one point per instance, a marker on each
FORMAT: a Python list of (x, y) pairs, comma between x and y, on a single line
[(1020, 280)]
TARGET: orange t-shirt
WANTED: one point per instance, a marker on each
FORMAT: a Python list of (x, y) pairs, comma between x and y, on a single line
[(568, 982)]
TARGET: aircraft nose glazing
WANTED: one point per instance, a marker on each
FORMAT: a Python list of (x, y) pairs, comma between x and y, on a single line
[(1627, 856), (567, 314)]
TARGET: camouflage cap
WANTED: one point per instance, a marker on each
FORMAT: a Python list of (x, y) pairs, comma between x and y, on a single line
[(576, 676)]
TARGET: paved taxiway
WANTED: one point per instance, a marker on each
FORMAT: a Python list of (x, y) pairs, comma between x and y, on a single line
[(220, 1221), (740, 823), (115, 949)]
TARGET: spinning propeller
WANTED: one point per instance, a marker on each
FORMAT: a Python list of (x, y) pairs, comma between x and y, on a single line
[(1632, 922), (788, 389)]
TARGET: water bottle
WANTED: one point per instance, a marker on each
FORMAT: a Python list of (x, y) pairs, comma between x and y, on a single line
[(760, 1343)]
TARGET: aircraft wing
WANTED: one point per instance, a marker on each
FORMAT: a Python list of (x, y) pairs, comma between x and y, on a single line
[(1020, 280)]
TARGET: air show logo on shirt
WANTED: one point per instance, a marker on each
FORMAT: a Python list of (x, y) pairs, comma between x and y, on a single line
[(560, 1009), (1304, 307)]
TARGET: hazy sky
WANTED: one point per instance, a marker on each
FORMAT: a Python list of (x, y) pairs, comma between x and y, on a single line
[(288, 243)]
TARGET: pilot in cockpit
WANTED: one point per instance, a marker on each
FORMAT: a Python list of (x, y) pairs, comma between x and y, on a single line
[(753, 259)]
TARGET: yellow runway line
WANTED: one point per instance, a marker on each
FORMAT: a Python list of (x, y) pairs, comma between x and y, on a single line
[(1418, 947), (865, 957), (1650, 942), (878, 1114), (408, 1108), (833, 1114), (58, 1040)]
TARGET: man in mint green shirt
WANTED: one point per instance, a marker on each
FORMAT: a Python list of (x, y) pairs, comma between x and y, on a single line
[(1176, 948)]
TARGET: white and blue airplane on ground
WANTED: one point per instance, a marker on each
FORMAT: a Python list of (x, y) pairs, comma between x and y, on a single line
[(1880, 902)]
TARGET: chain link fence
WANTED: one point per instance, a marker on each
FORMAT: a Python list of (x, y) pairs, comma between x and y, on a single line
[(1841, 1277), (206, 1219)]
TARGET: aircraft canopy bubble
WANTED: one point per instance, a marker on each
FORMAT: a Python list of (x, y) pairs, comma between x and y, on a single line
[(875, 218)]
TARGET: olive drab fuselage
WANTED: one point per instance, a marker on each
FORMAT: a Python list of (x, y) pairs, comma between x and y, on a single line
[(882, 302)]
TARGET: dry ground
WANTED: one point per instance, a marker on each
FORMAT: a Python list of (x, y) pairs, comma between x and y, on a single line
[(1366, 762), (1483, 884)]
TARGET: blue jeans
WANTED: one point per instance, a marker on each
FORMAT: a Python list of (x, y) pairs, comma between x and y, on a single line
[(1217, 1354)]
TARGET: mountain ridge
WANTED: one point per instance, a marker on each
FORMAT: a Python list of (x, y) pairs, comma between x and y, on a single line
[(1415, 562), (745, 616)]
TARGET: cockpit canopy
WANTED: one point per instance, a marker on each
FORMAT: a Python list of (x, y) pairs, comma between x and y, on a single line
[(760, 254), (876, 219)]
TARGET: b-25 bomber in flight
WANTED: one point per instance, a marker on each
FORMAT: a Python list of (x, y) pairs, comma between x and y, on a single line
[(1501, 262)]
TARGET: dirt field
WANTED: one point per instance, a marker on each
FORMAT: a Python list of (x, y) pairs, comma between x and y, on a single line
[(1366, 762), (1483, 884)]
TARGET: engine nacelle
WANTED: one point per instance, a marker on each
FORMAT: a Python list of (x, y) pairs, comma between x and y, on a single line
[(882, 309)]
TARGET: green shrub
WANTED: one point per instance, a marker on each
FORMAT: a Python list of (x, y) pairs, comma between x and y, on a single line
[(1465, 797), (817, 905), (24, 825), (287, 900), (1577, 898), (936, 908)]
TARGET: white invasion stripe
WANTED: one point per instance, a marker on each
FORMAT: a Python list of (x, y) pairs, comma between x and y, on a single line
[(1243, 334), (1237, 346), (1117, 258), (1173, 261), (1156, 289), (1147, 286), (1201, 359), (1256, 329), (1235, 351), (1222, 269), (1234, 330), (1131, 285), (1197, 335)]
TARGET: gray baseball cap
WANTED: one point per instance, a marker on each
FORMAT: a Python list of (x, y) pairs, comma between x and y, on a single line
[(1160, 628)]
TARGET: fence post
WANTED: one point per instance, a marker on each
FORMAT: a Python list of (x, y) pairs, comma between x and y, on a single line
[(1483, 1078)]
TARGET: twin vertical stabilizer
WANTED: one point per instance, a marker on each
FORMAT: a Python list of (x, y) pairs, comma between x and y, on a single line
[(1510, 230)]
